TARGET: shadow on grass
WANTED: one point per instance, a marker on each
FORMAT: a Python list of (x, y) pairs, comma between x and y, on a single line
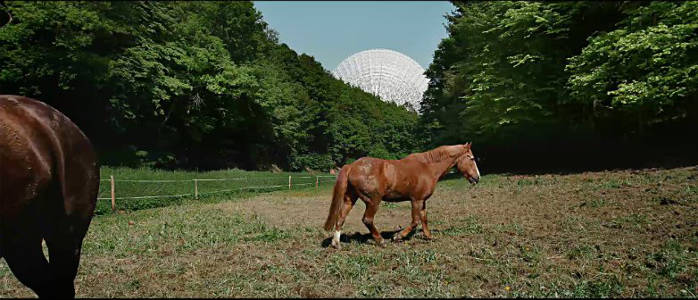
[(367, 237)]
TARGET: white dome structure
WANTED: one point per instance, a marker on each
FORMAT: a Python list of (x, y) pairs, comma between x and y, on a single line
[(390, 75)]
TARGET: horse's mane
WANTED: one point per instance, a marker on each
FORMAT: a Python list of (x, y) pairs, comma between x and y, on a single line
[(438, 154)]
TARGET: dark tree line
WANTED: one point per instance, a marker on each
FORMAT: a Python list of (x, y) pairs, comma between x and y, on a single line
[(208, 85), (192, 84), (567, 84)]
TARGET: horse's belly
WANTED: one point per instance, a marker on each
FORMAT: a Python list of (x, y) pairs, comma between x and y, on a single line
[(395, 196), (397, 199)]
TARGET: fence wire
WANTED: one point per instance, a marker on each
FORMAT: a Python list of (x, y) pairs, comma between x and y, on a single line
[(149, 189), (135, 194)]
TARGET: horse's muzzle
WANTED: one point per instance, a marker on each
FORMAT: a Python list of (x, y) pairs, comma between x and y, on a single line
[(473, 180)]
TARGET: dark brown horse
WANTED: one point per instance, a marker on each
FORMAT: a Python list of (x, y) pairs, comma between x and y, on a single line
[(412, 178), (49, 178)]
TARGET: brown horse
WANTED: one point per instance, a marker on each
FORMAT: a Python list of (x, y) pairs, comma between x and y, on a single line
[(49, 179), (412, 178)]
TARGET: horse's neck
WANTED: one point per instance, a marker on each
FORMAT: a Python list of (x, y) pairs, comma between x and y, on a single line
[(439, 169)]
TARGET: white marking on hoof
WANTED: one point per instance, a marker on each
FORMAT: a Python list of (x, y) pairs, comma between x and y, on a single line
[(335, 239)]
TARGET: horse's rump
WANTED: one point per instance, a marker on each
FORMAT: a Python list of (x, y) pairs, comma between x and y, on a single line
[(49, 179), (41, 147)]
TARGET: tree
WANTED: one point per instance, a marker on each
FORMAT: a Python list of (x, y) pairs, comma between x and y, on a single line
[(190, 84), (645, 72), (561, 76)]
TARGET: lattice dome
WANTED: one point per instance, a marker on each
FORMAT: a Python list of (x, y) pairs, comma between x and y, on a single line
[(390, 75)]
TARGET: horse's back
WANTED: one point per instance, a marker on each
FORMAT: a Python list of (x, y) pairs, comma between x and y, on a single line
[(40, 148), (395, 179)]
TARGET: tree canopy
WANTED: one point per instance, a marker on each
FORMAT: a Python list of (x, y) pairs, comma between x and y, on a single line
[(589, 77), (208, 85), (192, 84)]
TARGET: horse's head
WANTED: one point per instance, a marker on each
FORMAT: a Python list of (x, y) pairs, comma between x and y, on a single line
[(467, 166)]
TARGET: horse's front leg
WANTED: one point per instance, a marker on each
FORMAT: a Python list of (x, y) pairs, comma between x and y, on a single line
[(423, 217), (416, 210)]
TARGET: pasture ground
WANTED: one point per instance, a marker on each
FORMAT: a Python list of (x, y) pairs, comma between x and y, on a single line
[(621, 233)]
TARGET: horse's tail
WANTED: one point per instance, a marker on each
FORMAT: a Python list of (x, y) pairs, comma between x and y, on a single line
[(340, 187)]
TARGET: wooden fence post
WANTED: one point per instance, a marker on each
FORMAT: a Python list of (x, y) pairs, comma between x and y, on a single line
[(113, 199), (289, 182), (196, 188)]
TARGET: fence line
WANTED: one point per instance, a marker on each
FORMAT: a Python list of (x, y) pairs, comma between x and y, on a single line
[(144, 197), (244, 187), (203, 179), (145, 181), (195, 181), (219, 179)]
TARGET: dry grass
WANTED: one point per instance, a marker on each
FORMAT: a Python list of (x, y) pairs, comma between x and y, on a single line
[(622, 233)]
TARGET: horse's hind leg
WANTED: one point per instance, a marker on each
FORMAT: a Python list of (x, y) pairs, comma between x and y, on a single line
[(26, 259), (371, 209), (64, 237), (68, 221), (349, 200), (64, 248)]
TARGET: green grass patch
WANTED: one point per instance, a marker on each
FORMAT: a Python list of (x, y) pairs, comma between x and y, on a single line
[(464, 226)]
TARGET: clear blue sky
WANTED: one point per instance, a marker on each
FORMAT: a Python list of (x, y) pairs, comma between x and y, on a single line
[(331, 31)]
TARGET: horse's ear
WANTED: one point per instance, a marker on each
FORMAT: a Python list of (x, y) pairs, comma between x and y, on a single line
[(467, 145)]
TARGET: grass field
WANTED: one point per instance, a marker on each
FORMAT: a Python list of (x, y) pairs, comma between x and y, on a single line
[(600, 234)]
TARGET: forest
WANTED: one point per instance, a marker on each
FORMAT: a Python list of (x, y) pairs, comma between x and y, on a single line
[(577, 85), (208, 85), (202, 85)]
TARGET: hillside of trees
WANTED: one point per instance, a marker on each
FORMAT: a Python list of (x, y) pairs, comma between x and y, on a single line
[(567, 84), (192, 85), (208, 85)]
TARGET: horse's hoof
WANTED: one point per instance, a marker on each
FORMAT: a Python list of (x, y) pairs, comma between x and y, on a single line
[(336, 244), (397, 238)]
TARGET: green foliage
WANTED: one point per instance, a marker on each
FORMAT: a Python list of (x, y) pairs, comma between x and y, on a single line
[(195, 84), (540, 73), (647, 67), (501, 68), (208, 85), (313, 161)]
